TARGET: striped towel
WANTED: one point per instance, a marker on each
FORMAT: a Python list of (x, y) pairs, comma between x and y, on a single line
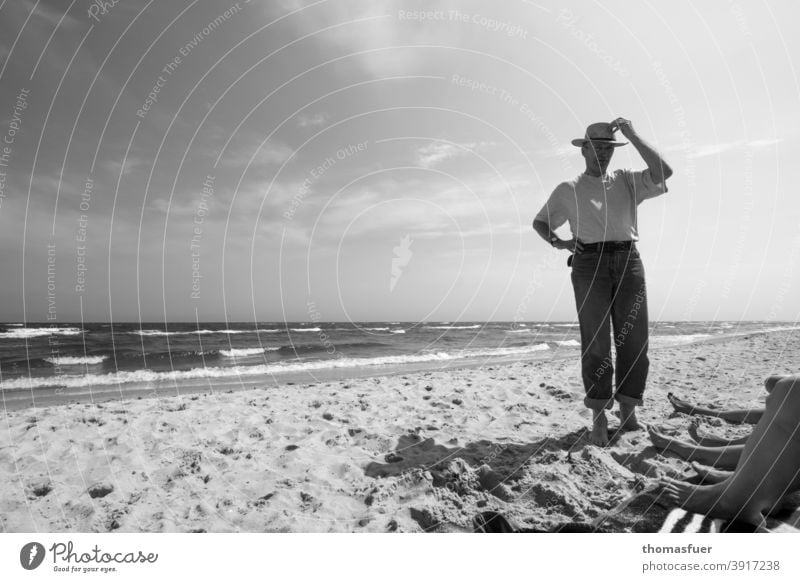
[(681, 521)]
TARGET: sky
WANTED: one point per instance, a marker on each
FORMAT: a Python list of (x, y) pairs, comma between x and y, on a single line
[(383, 160)]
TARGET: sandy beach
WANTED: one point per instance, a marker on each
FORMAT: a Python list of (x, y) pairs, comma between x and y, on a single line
[(422, 451)]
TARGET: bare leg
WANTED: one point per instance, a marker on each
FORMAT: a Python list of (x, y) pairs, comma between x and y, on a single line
[(627, 417), (712, 440), (599, 434), (771, 381), (719, 457), (736, 416), (768, 470), (710, 476)]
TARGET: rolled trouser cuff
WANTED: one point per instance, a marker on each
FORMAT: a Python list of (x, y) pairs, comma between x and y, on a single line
[(598, 403), (623, 399)]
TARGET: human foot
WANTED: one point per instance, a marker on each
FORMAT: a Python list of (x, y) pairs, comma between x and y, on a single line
[(599, 434), (659, 440), (627, 417), (692, 430), (710, 476), (680, 405), (696, 498), (708, 500), (712, 440)]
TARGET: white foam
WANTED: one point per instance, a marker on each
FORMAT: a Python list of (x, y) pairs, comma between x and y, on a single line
[(511, 351), (158, 332), (76, 360), (244, 352), (29, 332), (676, 340), (570, 342), (452, 326), (398, 331), (142, 376), (306, 329)]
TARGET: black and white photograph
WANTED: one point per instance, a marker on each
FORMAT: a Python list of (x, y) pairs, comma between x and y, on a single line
[(395, 266)]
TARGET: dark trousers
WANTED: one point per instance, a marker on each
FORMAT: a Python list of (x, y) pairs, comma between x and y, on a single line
[(610, 290)]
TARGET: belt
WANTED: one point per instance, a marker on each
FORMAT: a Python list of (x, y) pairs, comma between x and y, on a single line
[(609, 246)]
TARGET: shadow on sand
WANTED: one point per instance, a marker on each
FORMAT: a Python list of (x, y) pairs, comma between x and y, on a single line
[(505, 459)]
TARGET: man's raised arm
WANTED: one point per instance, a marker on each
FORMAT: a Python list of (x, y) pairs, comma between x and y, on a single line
[(659, 169)]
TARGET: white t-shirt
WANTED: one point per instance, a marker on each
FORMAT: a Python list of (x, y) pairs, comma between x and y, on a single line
[(601, 209)]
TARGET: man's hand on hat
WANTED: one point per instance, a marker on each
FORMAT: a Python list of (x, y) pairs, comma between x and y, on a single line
[(624, 126)]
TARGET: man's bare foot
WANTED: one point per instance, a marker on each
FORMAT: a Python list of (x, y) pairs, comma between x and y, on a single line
[(627, 417), (599, 434), (710, 476), (680, 405)]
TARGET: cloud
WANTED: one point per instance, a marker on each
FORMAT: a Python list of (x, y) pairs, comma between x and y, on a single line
[(39, 26), (437, 207), (312, 120), (131, 163), (715, 149), (357, 26), (272, 153), (174, 208), (50, 15), (435, 153)]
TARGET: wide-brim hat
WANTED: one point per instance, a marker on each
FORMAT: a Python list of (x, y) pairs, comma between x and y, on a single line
[(600, 132)]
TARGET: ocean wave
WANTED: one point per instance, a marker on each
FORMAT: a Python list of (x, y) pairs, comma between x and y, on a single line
[(148, 376), (516, 351), (398, 331), (244, 352), (159, 333), (329, 347), (564, 324), (76, 360), (669, 340), (29, 332), (453, 326), (306, 329), (570, 342)]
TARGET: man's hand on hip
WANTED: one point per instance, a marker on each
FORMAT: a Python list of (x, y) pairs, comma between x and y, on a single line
[(573, 245)]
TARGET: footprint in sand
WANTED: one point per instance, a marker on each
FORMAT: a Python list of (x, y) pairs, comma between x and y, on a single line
[(558, 393), (393, 458)]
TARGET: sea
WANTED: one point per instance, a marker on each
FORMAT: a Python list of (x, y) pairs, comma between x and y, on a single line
[(158, 358)]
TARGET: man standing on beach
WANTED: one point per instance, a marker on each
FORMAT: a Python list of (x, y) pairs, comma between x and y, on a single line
[(607, 273)]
